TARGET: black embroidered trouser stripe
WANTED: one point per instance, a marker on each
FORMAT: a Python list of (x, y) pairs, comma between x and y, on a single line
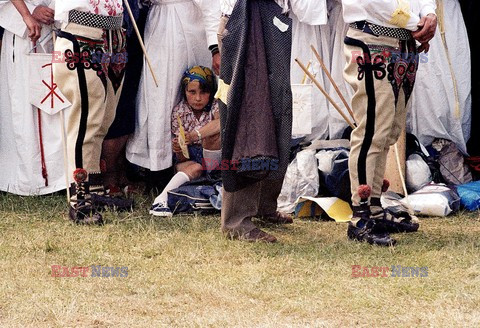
[(370, 128), (82, 83)]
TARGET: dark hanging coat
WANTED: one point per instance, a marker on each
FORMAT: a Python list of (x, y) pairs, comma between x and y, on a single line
[(256, 123), (470, 10)]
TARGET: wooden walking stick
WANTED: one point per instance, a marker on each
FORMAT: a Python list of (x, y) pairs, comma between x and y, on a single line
[(127, 5), (320, 61), (310, 75), (65, 154), (64, 142)]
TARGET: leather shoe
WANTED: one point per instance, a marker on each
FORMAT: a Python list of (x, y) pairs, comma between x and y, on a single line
[(257, 235), (277, 218), (371, 234), (83, 212)]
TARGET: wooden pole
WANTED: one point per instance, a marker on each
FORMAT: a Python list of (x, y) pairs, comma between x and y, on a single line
[(402, 178), (65, 154), (139, 36), (320, 61), (310, 75)]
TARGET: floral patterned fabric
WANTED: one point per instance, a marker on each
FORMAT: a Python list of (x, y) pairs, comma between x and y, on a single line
[(106, 7), (99, 7)]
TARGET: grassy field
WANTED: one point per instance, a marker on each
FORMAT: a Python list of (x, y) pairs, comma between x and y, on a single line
[(183, 273)]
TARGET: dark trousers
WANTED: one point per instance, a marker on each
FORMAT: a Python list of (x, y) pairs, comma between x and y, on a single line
[(240, 206)]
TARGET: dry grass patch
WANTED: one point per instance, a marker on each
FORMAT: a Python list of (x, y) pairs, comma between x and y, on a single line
[(183, 273)]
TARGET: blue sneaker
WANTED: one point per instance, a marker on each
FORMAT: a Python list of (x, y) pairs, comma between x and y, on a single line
[(160, 210)]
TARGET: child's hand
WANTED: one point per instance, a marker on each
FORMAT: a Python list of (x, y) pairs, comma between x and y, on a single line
[(189, 138), (34, 27), (175, 146)]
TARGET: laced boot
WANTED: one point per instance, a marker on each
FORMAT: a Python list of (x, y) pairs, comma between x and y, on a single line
[(82, 211), (394, 219), (365, 229)]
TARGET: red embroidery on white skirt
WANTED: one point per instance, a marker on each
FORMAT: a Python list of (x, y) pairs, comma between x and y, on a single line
[(106, 7)]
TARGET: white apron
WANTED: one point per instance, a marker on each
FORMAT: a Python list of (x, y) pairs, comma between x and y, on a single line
[(20, 156), (175, 39), (338, 31), (305, 35)]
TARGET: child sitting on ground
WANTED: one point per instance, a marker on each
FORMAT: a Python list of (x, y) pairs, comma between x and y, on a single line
[(199, 116)]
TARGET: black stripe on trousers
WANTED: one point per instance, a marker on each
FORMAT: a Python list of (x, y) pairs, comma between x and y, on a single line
[(372, 104), (82, 83)]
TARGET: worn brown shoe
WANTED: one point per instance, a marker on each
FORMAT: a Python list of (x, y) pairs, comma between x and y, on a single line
[(257, 235), (277, 218)]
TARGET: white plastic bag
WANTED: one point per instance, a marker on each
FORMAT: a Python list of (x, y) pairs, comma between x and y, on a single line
[(434, 200), (300, 180), (417, 173)]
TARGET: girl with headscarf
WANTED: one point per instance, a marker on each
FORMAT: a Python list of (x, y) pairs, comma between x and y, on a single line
[(178, 35), (197, 115)]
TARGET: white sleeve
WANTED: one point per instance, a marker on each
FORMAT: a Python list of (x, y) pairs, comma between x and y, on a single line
[(427, 7), (312, 12), (393, 12), (211, 18), (11, 20)]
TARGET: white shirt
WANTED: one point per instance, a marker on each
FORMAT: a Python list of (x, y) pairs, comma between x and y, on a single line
[(389, 13), (227, 5), (313, 12), (211, 18), (99, 7), (12, 21)]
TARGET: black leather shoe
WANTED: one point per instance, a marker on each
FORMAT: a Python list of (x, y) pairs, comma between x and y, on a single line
[(113, 203), (83, 212), (370, 234), (395, 221)]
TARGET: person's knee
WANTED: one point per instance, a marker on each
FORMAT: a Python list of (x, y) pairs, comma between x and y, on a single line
[(194, 171)]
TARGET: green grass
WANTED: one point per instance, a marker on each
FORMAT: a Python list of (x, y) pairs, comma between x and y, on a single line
[(183, 273)]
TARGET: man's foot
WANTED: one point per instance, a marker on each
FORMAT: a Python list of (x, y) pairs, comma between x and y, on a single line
[(369, 232), (364, 228), (277, 218), (160, 210), (394, 221), (110, 202), (83, 212), (257, 235)]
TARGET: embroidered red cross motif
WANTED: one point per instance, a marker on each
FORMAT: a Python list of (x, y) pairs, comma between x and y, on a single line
[(51, 87)]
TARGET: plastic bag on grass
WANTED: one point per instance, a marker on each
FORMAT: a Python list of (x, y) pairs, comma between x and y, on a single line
[(470, 195), (417, 173), (300, 180), (434, 200)]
